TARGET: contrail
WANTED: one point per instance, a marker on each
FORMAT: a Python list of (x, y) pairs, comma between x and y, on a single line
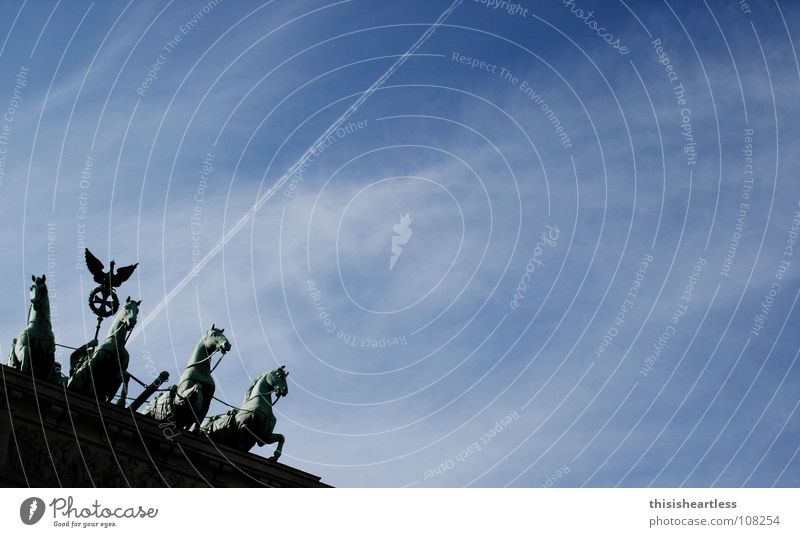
[(285, 177)]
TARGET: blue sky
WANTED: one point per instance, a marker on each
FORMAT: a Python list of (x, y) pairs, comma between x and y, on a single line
[(650, 132)]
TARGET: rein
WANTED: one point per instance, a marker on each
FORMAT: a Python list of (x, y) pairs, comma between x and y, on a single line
[(114, 333), (107, 337), (206, 359), (262, 395)]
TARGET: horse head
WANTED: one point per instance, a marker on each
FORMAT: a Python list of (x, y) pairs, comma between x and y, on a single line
[(38, 292), (277, 379), (129, 313), (215, 340)]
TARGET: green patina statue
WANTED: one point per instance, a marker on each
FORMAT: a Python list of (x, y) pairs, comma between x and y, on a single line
[(103, 372), (34, 350), (80, 355), (186, 403), (254, 422)]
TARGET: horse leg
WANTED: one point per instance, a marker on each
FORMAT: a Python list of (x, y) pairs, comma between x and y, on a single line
[(27, 366), (77, 379), (124, 395), (271, 439), (187, 399), (198, 417), (197, 410), (12, 356)]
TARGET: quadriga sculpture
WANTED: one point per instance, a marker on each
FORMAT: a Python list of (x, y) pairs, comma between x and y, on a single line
[(34, 349), (254, 422), (102, 373), (186, 403)]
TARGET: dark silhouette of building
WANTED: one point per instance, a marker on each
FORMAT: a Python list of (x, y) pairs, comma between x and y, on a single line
[(52, 437)]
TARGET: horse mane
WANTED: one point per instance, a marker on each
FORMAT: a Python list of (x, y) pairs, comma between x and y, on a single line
[(253, 384)]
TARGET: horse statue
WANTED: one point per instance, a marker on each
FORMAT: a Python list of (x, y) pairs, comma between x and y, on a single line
[(104, 371), (254, 422), (186, 403), (34, 350)]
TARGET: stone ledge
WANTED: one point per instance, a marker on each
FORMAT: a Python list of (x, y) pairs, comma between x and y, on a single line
[(71, 440)]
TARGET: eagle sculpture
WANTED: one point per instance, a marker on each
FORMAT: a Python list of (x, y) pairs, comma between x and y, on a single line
[(111, 279)]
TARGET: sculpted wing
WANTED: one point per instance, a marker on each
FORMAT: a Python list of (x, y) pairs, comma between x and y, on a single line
[(122, 274), (96, 267)]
